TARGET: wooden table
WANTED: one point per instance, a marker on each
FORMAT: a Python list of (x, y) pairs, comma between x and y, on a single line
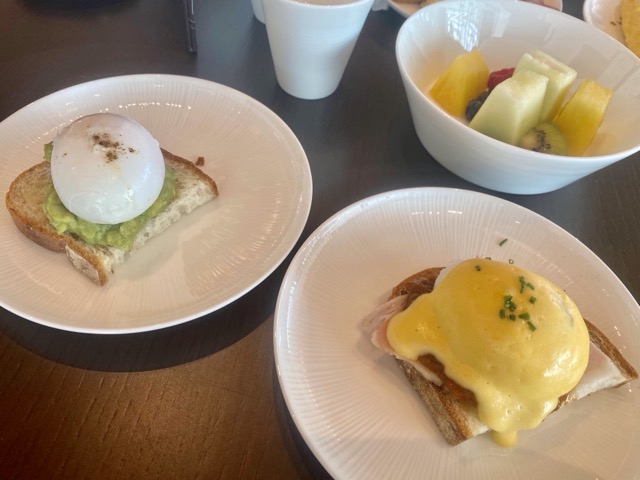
[(202, 400)]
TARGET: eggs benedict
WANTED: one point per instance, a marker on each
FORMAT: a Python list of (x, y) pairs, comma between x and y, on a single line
[(489, 346)]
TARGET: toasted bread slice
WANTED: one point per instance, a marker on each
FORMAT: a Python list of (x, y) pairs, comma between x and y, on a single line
[(98, 262), (449, 405)]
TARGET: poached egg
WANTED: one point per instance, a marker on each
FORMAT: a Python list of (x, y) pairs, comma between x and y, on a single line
[(513, 338), (106, 168)]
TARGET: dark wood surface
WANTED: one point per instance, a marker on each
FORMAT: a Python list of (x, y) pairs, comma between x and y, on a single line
[(202, 400)]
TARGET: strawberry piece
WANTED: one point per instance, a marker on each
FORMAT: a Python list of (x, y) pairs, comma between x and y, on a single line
[(499, 76)]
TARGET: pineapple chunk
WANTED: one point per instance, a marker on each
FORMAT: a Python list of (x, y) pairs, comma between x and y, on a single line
[(465, 78), (581, 116), (560, 77), (512, 108)]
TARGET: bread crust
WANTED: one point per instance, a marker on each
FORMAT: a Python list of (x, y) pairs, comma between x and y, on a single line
[(457, 420), (27, 193), (605, 345), (203, 177)]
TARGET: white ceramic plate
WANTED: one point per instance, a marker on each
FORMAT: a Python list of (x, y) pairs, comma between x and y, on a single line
[(352, 404), (206, 260), (407, 9), (605, 15)]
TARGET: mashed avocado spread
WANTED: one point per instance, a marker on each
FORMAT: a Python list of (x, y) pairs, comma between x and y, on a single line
[(120, 235)]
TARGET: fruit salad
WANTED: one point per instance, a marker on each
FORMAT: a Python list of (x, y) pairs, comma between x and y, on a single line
[(524, 105)]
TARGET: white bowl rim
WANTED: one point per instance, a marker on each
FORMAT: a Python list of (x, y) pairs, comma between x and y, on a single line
[(598, 159)]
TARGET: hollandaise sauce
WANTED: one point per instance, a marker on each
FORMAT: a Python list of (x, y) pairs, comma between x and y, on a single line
[(513, 338)]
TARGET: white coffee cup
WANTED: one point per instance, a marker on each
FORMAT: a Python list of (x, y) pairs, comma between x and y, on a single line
[(311, 42)]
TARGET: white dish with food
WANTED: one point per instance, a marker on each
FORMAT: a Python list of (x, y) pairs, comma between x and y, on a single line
[(605, 15), (406, 9), (206, 260), (354, 407), (501, 32)]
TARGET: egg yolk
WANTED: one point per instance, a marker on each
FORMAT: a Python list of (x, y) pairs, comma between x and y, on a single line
[(511, 337)]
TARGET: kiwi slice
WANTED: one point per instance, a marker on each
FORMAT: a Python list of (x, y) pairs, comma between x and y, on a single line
[(546, 138), (474, 105)]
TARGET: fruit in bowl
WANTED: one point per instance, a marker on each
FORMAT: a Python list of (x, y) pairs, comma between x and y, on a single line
[(523, 105), (581, 116), (502, 32), (512, 108), (465, 78)]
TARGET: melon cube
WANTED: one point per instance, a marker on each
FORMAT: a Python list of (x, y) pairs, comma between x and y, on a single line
[(465, 78), (580, 118), (560, 77), (512, 108)]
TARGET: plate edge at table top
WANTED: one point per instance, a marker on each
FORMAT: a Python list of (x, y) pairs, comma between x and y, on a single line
[(301, 202), (327, 228)]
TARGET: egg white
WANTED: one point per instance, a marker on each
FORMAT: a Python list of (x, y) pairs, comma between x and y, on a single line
[(106, 168)]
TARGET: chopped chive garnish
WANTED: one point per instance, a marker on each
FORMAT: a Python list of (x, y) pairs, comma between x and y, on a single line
[(509, 304), (478, 268), (524, 284), (502, 242), (511, 261)]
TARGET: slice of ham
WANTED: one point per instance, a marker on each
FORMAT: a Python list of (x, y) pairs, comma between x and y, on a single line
[(376, 322)]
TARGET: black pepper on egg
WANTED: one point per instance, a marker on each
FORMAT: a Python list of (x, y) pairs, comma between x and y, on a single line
[(113, 147)]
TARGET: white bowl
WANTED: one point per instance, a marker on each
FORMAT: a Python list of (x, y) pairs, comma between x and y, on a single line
[(503, 30)]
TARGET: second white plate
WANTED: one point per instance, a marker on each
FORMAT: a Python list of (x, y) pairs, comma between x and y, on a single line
[(605, 15), (407, 9), (205, 261), (350, 401)]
